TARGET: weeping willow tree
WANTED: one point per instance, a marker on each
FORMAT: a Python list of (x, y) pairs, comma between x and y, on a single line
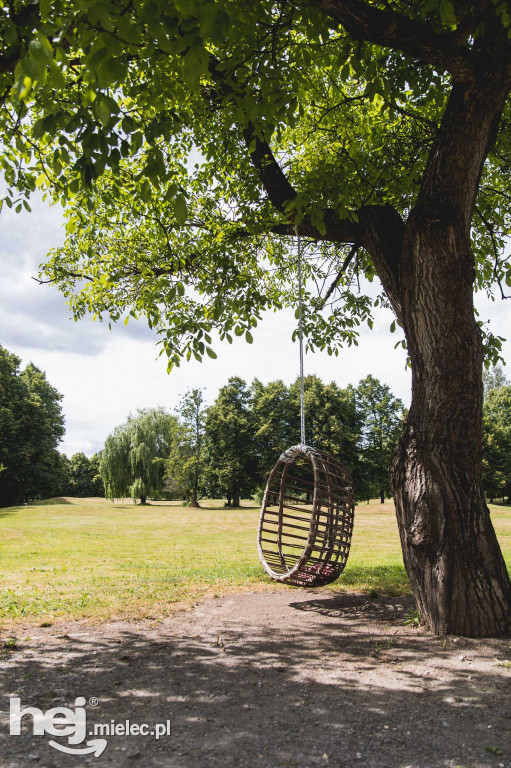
[(133, 459)]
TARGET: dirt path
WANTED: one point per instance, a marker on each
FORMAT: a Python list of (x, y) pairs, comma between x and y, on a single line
[(269, 680)]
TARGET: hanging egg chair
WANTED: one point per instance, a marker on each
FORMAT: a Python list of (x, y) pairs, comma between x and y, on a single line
[(306, 521)]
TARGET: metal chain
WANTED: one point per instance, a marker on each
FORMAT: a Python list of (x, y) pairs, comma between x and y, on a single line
[(300, 338)]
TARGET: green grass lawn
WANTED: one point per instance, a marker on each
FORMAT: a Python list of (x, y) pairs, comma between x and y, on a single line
[(78, 558)]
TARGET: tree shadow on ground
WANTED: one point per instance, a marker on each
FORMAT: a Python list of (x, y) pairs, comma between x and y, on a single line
[(15, 508), (338, 681), (51, 502)]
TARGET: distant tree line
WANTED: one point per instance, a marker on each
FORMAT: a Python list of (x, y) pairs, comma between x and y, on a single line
[(226, 450), (81, 476), (248, 427)]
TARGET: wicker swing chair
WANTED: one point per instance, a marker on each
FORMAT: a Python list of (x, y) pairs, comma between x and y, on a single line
[(306, 521)]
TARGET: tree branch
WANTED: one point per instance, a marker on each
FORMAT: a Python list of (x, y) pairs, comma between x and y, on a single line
[(392, 30), (341, 272), (379, 229), (383, 231), (280, 191), (277, 185), (275, 182), (337, 230), (50, 280)]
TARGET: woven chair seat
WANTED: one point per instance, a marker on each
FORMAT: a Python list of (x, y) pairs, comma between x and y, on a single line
[(306, 521)]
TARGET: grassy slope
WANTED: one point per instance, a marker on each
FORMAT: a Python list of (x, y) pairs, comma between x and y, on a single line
[(90, 558)]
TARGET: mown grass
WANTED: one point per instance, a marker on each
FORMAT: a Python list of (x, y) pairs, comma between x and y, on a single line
[(88, 558)]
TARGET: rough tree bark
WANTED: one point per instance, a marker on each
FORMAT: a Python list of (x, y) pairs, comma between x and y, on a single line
[(451, 553)]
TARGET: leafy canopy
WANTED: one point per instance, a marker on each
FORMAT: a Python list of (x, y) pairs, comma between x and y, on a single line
[(187, 139)]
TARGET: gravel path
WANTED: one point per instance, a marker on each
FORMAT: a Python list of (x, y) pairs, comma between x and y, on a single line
[(267, 680)]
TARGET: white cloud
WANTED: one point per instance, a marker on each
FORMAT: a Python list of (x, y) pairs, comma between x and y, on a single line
[(35, 316), (126, 375)]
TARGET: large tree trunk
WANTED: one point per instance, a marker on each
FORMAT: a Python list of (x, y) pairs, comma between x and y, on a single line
[(451, 553), (452, 557)]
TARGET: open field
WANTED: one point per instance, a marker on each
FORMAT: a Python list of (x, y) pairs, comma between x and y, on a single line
[(89, 558)]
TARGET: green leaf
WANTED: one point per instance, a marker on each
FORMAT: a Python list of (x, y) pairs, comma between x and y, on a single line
[(57, 77), (447, 15), (180, 209), (111, 71), (38, 129), (44, 8), (102, 110), (40, 49), (145, 191), (194, 65)]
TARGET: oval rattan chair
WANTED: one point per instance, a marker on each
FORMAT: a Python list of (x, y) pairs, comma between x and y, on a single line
[(306, 521)]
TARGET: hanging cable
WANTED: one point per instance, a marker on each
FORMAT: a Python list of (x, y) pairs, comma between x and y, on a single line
[(300, 337)]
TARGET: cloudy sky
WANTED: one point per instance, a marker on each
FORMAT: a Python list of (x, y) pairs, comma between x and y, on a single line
[(104, 375)]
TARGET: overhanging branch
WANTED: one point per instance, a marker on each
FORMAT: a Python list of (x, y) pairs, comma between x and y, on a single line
[(341, 272), (392, 30), (278, 188)]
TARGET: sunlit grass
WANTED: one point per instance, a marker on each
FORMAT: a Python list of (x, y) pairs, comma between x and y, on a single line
[(88, 558)]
